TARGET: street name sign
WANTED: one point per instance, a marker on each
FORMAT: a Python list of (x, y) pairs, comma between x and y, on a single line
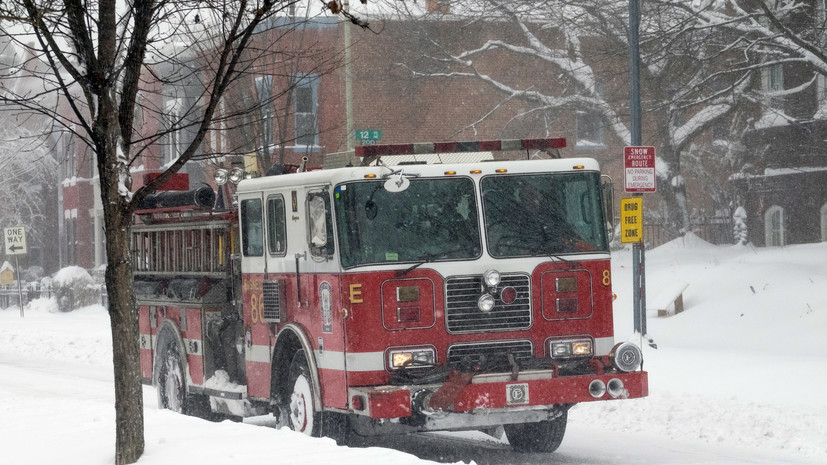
[(639, 169), (15, 239), (368, 136)]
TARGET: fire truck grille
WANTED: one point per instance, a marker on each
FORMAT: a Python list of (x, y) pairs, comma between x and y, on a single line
[(489, 354), (462, 315), (271, 301)]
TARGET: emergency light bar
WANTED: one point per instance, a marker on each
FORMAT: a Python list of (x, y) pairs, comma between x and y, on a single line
[(459, 147)]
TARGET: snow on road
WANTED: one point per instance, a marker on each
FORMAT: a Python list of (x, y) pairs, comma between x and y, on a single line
[(736, 379)]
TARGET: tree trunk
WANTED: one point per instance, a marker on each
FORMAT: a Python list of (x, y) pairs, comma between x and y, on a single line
[(123, 316), (123, 310)]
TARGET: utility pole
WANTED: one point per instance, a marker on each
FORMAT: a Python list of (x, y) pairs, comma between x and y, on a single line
[(351, 142), (634, 71), (638, 248)]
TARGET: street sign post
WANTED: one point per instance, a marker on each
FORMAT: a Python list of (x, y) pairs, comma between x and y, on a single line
[(368, 136), (638, 178), (639, 169), (15, 240)]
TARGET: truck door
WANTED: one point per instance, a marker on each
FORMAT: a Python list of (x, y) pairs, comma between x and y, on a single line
[(320, 277), (256, 345)]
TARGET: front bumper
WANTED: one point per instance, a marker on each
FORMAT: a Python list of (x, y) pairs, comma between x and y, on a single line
[(531, 391)]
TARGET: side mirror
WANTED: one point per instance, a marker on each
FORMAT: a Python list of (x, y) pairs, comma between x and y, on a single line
[(607, 188)]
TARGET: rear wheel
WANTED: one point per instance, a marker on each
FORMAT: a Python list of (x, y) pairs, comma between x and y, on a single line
[(172, 387), (543, 436)]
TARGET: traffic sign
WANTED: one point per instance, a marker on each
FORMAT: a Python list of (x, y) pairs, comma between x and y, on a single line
[(639, 169), (631, 220), (15, 239)]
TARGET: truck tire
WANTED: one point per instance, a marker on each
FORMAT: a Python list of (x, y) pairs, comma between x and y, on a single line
[(301, 400), (172, 386), (172, 389), (542, 436)]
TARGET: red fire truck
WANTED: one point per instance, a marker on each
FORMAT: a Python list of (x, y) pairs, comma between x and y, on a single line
[(392, 297)]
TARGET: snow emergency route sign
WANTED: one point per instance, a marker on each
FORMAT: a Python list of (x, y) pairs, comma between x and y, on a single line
[(639, 169), (15, 239)]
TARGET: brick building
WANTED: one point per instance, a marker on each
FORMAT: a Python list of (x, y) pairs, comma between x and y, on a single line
[(285, 109)]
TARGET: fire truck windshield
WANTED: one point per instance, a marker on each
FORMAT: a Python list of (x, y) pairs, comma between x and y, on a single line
[(434, 219), (543, 214)]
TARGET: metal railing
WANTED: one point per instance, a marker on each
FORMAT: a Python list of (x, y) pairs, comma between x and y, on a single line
[(10, 296), (715, 230)]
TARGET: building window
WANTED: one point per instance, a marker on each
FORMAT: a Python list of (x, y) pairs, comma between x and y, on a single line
[(590, 126), (775, 230), (69, 156), (305, 105), (772, 78), (71, 234), (824, 223), (218, 133), (264, 91), (173, 146)]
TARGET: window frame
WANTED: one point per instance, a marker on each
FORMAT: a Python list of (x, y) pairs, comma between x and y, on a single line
[(299, 82), (323, 252), (595, 124), (274, 227), (770, 231), (244, 226)]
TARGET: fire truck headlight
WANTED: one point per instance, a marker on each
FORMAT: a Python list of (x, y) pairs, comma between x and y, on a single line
[(486, 303), (491, 278), (626, 356), (411, 358), (220, 176), (236, 175), (576, 348)]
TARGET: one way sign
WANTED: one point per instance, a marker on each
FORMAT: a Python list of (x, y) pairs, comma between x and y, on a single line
[(15, 239)]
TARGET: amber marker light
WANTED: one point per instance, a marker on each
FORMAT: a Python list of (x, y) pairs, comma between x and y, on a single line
[(450, 173), (370, 176), (578, 167), (501, 170), (476, 171)]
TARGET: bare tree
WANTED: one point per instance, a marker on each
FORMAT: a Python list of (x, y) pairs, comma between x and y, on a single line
[(260, 105), (29, 180), (99, 59), (581, 47)]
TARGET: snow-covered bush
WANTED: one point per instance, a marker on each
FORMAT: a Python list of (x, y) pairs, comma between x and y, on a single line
[(73, 287), (33, 273)]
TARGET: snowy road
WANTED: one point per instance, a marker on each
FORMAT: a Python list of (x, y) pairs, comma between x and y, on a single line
[(582, 446), (68, 402)]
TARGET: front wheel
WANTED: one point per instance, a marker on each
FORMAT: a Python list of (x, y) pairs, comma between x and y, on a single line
[(301, 401), (543, 436)]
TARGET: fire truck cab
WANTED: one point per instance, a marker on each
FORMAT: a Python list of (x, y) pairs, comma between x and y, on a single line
[(389, 298)]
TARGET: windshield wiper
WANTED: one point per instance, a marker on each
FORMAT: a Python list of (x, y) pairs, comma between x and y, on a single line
[(428, 258), (402, 273)]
